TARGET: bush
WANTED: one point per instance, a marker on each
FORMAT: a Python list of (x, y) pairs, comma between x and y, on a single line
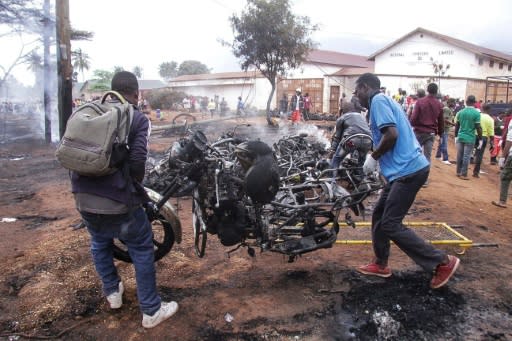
[(165, 99)]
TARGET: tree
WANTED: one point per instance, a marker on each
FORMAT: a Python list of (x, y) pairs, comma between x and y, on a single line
[(80, 35), (21, 16), (192, 67), (440, 70), (118, 69), (168, 70), (81, 61), (269, 37), (101, 80), (137, 71)]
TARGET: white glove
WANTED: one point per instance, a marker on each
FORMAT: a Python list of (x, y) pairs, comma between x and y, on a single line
[(501, 162), (480, 144), (370, 164)]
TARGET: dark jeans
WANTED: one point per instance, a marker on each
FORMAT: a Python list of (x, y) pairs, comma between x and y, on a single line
[(394, 203), (134, 229), (426, 141), (479, 154), (506, 178)]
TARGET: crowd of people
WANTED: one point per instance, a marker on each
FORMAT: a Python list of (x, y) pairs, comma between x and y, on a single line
[(388, 140), (475, 127), (206, 105)]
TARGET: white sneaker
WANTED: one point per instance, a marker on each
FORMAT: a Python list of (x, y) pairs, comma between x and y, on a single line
[(167, 309), (446, 162), (115, 299)]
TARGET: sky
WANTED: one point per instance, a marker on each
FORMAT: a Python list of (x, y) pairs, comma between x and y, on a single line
[(146, 33)]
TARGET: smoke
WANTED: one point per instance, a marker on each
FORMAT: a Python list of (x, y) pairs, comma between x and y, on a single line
[(22, 108)]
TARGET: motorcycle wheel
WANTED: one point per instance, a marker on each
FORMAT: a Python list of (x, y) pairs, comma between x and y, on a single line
[(200, 235), (163, 240)]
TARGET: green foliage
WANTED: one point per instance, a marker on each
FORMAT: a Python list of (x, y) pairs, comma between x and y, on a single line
[(269, 37), (80, 60), (168, 70), (164, 99), (192, 67), (101, 80)]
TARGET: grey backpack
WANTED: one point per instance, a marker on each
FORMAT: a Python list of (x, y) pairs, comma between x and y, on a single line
[(95, 142)]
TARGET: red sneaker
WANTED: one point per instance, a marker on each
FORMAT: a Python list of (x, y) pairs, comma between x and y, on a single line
[(374, 269), (443, 272)]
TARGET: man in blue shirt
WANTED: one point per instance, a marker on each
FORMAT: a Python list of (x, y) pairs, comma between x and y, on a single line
[(406, 169)]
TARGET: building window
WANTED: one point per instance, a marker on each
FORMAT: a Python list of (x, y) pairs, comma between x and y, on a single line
[(501, 66), (480, 61), (491, 63), (509, 67)]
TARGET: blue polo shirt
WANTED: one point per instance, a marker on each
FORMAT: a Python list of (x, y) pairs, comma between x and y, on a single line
[(406, 156)]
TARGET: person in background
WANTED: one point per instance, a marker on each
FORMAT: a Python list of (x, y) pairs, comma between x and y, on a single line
[(283, 105), (297, 105), (240, 107), (442, 148), (342, 100), (487, 124), (223, 107), (351, 134), (111, 208), (406, 169), (427, 121), (498, 130), (307, 106), (466, 122), (211, 107), (506, 172)]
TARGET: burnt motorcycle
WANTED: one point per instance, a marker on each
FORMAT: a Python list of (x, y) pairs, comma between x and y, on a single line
[(240, 195)]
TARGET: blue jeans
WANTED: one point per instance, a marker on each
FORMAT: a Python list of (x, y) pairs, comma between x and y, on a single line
[(134, 229), (394, 203), (442, 148), (463, 155)]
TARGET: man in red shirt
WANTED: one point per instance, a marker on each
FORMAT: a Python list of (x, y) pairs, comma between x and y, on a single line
[(427, 120)]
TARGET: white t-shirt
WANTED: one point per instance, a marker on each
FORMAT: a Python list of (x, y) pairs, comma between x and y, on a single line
[(509, 136)]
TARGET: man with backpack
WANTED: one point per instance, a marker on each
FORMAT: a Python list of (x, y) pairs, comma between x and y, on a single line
[(111, 207)]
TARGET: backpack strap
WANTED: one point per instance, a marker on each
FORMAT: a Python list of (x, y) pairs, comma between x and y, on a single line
[(113, 93)]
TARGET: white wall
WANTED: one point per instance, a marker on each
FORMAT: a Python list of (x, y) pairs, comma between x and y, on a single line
[(254, 92), (412, 57)]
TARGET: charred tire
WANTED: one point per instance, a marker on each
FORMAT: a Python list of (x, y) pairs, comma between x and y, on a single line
[(163, 240), (200, 235)]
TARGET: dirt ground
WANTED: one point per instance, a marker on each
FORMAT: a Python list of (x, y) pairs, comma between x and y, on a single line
[(49, 288)]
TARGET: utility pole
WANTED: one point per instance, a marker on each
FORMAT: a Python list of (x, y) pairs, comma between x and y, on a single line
[(64, 69), (47, 72)]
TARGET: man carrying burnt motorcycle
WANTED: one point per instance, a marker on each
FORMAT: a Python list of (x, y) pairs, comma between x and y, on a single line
[(406, 169), (352, 136), (111, 207)]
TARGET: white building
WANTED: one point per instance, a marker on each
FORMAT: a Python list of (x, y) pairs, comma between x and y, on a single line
[(252, 86), (312, 78), (407, 63)]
